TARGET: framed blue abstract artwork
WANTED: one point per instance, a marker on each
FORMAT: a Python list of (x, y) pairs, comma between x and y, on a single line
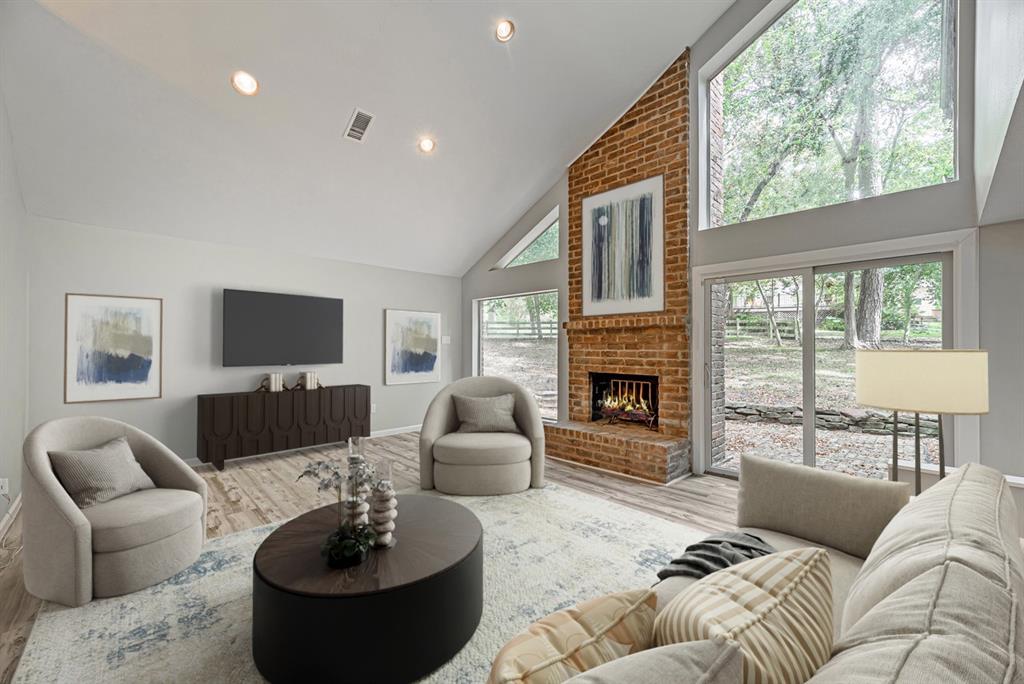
[(624, 250), (411, 347), (113, 348)]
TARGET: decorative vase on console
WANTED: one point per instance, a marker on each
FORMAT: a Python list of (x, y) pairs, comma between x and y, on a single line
[(384, 511)]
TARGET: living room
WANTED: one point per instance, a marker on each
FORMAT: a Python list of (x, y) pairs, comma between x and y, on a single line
[(512, 342)]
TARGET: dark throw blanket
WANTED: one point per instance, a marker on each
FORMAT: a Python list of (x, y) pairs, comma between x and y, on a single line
[(717, 552)]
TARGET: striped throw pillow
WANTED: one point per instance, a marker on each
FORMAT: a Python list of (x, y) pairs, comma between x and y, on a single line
[(778, 608), (564, 644)]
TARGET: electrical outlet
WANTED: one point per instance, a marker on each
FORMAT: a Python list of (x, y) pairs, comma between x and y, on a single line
[(5, 486), (373, 408)]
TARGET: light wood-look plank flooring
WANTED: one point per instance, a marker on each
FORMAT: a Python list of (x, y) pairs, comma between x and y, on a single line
[(263, 489)]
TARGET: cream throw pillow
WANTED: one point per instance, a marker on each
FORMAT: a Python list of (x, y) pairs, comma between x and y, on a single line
[(778, 608), (95, 476), (566, 643)]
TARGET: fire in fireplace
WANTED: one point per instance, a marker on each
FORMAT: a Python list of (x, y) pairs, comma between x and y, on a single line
[(630, 398)]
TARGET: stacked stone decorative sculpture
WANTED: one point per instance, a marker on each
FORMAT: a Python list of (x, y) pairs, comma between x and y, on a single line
[(383, 511), (360, 477)]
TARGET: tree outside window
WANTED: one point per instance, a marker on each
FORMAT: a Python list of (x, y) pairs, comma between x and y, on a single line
[(837, 101)]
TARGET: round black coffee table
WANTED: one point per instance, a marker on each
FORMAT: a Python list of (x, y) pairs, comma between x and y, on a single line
[(397, 617)]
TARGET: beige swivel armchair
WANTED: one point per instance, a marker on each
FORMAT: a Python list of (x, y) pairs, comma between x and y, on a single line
[(116, 547), (477, 463)]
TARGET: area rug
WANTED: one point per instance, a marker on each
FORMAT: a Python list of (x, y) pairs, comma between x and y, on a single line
[(544, 549)]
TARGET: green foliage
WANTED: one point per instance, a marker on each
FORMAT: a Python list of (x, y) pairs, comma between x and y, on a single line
[(544, 248), (838, 100), (347, 543), (521, 308), (832, 323)]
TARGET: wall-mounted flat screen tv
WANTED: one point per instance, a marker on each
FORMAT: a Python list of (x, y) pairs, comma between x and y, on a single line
[(271, 329)]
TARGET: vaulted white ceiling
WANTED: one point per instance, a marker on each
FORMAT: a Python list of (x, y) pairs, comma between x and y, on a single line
[(122, 115)]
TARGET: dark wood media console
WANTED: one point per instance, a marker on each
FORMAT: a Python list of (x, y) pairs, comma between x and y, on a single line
[(249, 423)]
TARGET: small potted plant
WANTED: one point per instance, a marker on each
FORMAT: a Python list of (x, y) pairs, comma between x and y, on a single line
[(349, 544)]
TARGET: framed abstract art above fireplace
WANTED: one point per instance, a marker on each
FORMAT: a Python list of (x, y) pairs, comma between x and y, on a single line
[(624, 249), (113, 348)]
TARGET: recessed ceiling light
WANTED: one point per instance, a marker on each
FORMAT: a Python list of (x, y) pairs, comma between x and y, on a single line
[(245, 83), (426, 145), (504, 30)]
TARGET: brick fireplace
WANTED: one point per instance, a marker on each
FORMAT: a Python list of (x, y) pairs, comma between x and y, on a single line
[(649, 140)]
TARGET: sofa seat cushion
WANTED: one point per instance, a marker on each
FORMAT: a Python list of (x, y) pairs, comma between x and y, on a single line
[(967, 518), (778, 608), (949, 624), (844, 570), (482, 448), (141, 518), (712, 661), (571, 641)]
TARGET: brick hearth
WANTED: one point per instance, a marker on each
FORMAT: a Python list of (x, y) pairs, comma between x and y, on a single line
[(649, 140)]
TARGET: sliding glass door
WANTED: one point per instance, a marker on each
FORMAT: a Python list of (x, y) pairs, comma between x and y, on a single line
[(875, 305), (780, 362), (756, 369)]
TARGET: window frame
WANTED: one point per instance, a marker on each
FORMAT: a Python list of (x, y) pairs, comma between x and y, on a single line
[(739, 43), (477, 359), (524, 243)]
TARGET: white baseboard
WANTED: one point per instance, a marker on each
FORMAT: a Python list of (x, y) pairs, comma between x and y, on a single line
[(396, 431), (9, 516)]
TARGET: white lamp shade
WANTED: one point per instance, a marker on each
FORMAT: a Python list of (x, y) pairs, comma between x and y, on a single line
[(949, 381)]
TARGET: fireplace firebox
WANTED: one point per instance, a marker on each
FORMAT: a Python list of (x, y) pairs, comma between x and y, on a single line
[(617, 397)]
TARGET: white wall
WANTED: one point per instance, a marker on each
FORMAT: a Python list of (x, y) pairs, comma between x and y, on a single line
[(189, 276), (1002, 334), (13, 292), (480, 281)]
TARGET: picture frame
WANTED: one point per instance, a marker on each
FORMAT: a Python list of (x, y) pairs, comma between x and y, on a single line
[(412, 347), (113, 348), (624, 249)]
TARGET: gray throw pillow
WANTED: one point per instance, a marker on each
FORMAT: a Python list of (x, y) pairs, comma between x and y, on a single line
[(714, 661), (486, 414), (93, 476)]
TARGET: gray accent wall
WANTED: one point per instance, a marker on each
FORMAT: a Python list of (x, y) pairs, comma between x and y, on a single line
[(1002, 334), (13, 315), (482, 280), (189, 276)]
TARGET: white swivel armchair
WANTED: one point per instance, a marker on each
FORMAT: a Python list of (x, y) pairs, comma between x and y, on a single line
[(478, 463), (116, 547)]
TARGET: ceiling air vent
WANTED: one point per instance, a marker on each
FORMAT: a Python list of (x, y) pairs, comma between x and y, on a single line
[(358, 124)]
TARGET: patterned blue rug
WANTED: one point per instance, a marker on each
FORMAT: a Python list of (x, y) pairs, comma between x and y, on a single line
[(544, 550)]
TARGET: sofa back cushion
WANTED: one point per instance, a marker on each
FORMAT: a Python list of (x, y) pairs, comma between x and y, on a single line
[(832, 509), (950, 624), (938, 599), (968, 518)]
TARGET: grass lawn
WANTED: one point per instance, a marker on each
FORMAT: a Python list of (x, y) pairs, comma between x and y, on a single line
[(758, 372)]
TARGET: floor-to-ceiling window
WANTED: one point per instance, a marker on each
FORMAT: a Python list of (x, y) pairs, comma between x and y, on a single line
[(781, 366), (518, 339)]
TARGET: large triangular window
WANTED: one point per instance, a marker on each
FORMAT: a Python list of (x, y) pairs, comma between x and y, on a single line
[(540, 244)]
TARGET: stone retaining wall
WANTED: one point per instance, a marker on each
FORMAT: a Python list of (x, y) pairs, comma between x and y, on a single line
[(855, 420)]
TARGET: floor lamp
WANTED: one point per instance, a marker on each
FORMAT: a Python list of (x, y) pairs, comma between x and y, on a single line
[(940, 381)]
